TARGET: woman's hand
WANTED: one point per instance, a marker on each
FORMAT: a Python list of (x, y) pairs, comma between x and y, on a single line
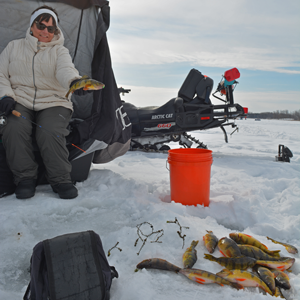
[(7, 105)]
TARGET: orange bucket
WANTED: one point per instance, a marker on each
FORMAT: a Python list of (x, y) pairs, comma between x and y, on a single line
[(190, 175)]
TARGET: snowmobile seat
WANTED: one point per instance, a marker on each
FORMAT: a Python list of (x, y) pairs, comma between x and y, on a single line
[(196, 83), (156, 110), (204, 88), (188, 89)]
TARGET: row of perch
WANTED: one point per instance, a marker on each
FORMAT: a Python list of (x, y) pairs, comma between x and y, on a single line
[(240, 252)]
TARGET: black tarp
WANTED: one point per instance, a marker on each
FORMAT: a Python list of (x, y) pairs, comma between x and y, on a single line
[(108, 122), (82, 4)]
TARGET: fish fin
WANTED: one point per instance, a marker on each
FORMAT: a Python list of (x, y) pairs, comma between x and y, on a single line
[(237, 286), (221, 284), (240, 279), (200, 280), (264, 246), (68, 93), (194, 243), (248, 235), (224, 271), (209, 231), (86, 88), (208, 256), (274, 253), (222, 253), (84, 77)]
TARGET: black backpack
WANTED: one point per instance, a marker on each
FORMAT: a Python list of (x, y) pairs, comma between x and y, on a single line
[(70, 267)]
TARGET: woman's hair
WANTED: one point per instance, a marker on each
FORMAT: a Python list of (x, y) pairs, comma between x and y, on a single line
[(45, 17)]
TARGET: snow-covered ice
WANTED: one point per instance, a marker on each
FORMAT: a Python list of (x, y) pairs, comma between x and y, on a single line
[(250, 192)]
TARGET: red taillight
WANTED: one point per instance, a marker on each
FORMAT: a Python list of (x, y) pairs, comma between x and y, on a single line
[(245, 110), (205, 118)]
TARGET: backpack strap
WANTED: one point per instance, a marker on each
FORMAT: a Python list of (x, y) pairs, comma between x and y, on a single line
[(74, 268)]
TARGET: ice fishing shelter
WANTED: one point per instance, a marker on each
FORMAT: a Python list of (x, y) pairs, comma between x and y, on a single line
[(99, 118)]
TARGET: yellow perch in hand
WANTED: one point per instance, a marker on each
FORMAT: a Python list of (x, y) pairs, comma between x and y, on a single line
[(87, 84)]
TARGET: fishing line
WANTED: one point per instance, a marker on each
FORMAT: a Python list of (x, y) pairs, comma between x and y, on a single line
[(18, 114)]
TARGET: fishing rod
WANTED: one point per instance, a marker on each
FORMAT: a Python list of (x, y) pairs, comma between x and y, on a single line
[(19, 115)]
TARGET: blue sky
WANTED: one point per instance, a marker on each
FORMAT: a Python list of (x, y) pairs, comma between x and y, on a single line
[(155, 43)]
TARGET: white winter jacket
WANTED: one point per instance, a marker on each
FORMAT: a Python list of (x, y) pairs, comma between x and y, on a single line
[(37, 74)]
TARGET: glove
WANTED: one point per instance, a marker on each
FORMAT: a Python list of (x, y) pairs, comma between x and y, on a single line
[(80, 92), (7, 105)]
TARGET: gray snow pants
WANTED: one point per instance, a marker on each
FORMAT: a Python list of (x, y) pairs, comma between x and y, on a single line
[(50, 139)]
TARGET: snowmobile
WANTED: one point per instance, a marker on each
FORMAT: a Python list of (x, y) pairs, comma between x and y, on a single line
[(192, 109)]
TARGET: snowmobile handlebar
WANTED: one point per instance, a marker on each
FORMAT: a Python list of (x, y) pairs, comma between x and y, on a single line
[(123, 91)]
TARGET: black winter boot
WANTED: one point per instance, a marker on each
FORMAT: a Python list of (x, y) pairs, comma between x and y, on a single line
[(25, 189), (65, 190)]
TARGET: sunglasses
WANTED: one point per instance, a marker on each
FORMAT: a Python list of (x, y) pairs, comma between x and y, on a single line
[(41, 26)]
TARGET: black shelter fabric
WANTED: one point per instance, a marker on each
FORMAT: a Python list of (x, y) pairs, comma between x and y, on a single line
[(81, 4), (109, 122)]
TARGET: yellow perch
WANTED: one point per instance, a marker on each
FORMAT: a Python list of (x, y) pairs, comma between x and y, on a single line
[(210, 241), (281, 265), (190, 255), (157, 263), (87, 84), (288, 247), (205, 277), (244, 278), (282, 279), (268, 277), (241, 263), (246, 239), (229, 248), (256, 253)]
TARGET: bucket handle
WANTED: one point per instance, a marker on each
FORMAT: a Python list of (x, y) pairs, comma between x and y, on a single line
[(167, 166)]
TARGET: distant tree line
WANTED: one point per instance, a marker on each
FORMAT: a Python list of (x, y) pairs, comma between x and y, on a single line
[(278, 114)]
